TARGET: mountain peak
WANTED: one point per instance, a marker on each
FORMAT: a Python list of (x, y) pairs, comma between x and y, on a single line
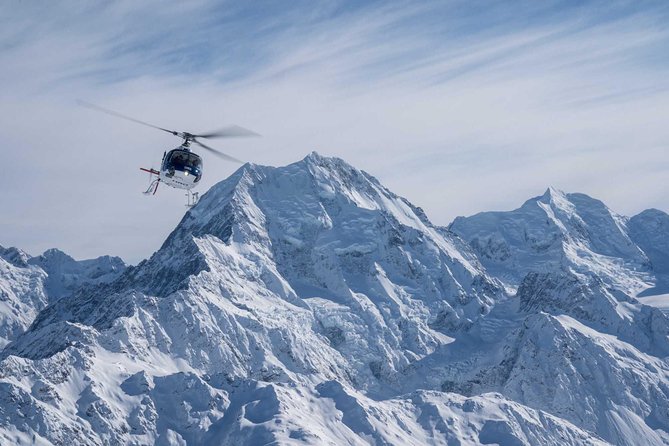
[(553, 192), (322, 160), (56, 255), (313, 156), (330, 168), (557, 199), (652, 213), (573, 230), (14, 256), (315, 178)]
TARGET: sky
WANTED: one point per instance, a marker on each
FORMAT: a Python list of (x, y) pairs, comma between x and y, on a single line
[(459, 106)]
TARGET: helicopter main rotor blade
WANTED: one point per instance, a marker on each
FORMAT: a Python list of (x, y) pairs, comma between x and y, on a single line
[(234, 131), (217, 153), (119, 115)]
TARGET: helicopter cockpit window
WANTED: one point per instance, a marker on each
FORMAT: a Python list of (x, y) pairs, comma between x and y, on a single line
[(194, 161), (185, 162)]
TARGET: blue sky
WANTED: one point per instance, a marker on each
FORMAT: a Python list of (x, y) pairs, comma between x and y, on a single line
[(459, 106)]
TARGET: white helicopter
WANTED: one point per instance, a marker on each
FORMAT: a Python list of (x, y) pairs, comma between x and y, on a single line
[(181, 168)]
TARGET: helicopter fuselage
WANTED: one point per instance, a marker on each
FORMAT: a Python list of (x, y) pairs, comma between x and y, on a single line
[(181, 168)]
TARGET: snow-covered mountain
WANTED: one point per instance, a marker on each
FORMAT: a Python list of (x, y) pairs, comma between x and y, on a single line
[(575, 267), (66, 275), (28, 284), (307, 304), (22, 293), (558, 231)]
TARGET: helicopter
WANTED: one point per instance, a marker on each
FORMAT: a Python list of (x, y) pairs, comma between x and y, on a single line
[(181, 168)]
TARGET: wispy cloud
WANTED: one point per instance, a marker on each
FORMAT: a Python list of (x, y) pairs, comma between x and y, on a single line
[(460, 106)]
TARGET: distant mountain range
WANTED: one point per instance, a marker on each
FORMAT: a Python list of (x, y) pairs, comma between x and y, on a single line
[(308, 304)]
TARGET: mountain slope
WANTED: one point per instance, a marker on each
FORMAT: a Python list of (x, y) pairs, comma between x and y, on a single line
[(22, 293), (307, 304), (570, 348), (650, 231), (361, 248)]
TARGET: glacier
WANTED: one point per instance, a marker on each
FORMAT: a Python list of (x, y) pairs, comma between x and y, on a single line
[(308, 304)]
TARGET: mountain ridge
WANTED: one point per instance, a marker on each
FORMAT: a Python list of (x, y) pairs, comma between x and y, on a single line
[(309, 304), (37, 281), (553, 231)]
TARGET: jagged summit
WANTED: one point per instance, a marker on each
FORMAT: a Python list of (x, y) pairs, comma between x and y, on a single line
[(552, 194), (14, 256), (572, 205), (557, 230), (55, 254), (328, 177)]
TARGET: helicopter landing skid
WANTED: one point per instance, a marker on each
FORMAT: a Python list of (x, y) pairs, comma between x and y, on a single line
[(153, 187)]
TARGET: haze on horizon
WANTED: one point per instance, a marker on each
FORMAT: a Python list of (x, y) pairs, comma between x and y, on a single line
[(458, 106)]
